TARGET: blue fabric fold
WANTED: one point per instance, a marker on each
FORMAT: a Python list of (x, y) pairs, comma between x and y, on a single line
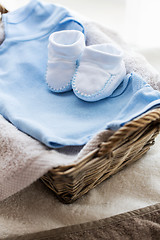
[(57, 119)]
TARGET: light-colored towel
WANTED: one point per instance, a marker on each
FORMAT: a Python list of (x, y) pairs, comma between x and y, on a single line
[(24, 160), (36, 209)]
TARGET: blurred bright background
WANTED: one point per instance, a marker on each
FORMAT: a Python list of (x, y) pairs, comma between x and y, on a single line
[(136, 20)]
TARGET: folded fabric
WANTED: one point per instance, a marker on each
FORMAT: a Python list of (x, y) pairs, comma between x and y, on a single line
[(143, 223), (65, 47), (56, 119), (136, 186), (100, 71), (25, 100)]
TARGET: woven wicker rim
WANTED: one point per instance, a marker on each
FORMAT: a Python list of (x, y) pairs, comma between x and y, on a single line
[(114, 141), (124, 147)]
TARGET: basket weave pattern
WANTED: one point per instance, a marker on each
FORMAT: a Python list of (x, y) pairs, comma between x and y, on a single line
[(125, 146)]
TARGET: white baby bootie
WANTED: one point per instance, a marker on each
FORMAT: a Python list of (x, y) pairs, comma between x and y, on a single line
[(100, 71), (64, 48)]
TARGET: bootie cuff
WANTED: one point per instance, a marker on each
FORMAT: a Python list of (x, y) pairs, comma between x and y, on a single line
[(67, 44), (105, 55)]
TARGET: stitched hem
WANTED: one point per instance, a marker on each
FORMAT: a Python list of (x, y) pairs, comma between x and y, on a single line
[(59, 233)]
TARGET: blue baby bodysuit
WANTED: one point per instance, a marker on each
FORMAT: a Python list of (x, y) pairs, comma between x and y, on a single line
[(57, 119)]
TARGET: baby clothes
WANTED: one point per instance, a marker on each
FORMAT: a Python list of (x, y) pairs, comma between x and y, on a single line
[(101, 69), (57, 119), (65, 47), (93, 72)]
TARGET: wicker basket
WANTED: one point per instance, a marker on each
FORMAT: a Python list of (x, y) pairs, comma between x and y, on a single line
[(125, 146)]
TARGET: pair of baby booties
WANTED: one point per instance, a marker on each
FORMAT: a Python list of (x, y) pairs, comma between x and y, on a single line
[(93, 72)]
